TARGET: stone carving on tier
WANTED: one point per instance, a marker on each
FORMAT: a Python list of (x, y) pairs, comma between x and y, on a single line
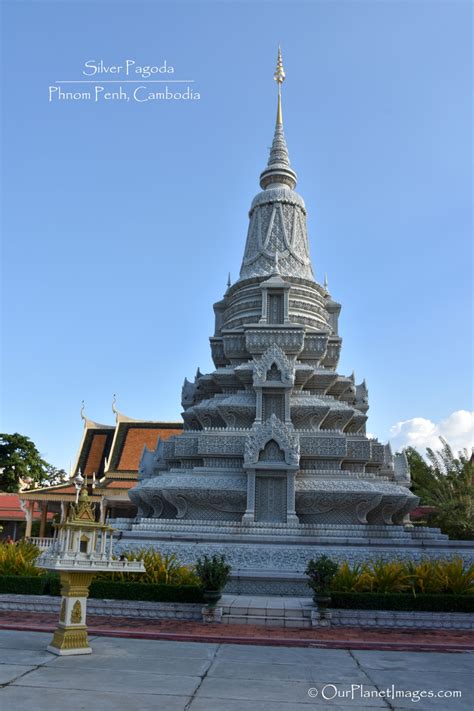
[(177, 501), (289, 341)]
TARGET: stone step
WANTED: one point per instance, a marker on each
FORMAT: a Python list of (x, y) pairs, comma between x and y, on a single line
[(238, 525), (266, 611), (318, 533), (317, 536), (267, 621)]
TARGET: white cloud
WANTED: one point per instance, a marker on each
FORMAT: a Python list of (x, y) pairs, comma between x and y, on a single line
[(457, 429)]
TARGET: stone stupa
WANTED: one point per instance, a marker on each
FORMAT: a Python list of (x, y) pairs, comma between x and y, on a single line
[(274, 466)]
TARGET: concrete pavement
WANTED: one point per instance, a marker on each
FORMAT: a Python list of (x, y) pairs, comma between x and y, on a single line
[(136, 674)]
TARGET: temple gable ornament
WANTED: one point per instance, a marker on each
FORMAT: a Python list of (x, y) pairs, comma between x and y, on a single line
[(276, 430), (273, 356)]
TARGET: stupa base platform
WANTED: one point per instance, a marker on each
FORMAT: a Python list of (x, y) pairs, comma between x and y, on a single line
[(270, 559)]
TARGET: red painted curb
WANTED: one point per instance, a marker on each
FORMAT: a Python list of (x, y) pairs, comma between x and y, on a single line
[(261, 641)]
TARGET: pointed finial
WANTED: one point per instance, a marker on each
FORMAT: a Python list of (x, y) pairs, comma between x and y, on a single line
[(228, 281), (326, 282), (277, 263), (278, 170), (279, 77), (78, 483), (114, 403), (83, 415)]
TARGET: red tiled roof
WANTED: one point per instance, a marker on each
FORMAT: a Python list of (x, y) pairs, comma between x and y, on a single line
[(95, 447), (135, 439), (10, 509), (119, 484), (96, 454), (422, 511)]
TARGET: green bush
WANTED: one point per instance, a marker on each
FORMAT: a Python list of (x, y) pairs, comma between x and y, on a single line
[(19, 558), (213, 572), (116, 590), (24, 584), (159, 569), (450, 576), (402, 601), (321, 573), (455, 577), (102, 589), (53, 586)]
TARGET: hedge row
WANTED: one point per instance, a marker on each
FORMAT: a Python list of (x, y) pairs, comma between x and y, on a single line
[(108, 590), (102, 589), (402, 601), (24, 584)]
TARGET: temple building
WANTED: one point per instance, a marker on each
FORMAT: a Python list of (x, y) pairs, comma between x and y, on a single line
[(109, 456), (12, 517), (274, 464)]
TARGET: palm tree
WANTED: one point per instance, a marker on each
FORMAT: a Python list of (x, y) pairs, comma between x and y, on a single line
[(445, 482)]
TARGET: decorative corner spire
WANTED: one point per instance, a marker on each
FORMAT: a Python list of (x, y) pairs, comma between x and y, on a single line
[(278, 170), (228, 281), (83, 412), (276, 268), (114, 403)]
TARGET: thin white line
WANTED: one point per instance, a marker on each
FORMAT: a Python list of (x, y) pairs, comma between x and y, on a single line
[(125, 81)]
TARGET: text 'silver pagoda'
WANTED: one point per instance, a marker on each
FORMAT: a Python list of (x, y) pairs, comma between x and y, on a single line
[(274, 457)]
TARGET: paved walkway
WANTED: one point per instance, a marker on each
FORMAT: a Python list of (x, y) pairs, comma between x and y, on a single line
[(137, 675), (336, 637)]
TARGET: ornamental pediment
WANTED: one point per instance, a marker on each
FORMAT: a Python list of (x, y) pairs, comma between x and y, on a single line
[(273, 366), (278, 431)]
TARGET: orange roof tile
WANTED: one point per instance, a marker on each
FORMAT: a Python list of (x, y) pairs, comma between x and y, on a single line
[(119, 484), (96, 454), (135, 439), (95, 448)]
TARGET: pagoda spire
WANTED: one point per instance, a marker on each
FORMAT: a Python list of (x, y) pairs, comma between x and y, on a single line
[(277, 240), (278, 171), (279, 77)]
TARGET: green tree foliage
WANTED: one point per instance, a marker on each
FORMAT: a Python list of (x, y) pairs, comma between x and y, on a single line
[(55, 475), (20, 459), (446, 482)]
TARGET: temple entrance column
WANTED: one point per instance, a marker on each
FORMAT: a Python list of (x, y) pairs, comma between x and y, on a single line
[(249, 515), (291, 516), (44, 518), (27, 508)]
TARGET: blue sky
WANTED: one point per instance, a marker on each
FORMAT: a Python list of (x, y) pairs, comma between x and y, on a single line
[(122, 219)]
